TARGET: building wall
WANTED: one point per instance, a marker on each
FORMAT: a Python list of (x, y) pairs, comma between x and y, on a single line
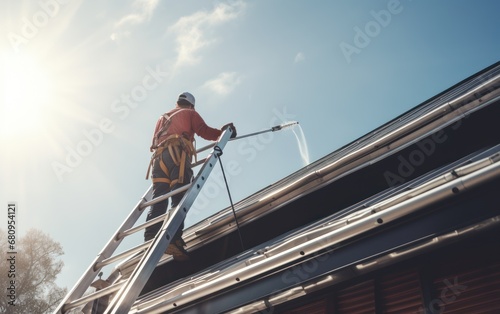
[(461, 278)]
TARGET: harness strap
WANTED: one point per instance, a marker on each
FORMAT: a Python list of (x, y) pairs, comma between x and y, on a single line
[(163, 166), (180, 149), (179, 158), (168, 116), (157, 153), (162, 180), (174, 153)]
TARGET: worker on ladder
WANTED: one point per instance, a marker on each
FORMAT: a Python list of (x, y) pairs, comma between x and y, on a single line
[(173, 149)]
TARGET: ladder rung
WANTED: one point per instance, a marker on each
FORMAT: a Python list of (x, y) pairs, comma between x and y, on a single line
[(199, 162), (124, 267), (122, 255), (141, 226), (165, 196), (90, 297)]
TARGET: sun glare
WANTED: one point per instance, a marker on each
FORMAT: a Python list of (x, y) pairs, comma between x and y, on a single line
[(27, 90)]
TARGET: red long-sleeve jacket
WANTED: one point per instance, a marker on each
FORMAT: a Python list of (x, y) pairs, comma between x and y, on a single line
[(183, 121)]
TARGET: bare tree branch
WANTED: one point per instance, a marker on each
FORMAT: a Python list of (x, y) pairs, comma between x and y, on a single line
[(37, 266)]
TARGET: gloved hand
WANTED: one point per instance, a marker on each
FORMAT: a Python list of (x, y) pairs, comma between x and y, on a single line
[(233, 135)]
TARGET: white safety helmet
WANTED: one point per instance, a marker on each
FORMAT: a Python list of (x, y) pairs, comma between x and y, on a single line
[(187, 96)]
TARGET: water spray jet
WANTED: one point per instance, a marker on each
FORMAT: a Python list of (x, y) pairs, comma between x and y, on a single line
[(273, 129)]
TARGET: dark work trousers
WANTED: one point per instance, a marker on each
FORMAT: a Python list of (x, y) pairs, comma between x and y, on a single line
[(160, 188)]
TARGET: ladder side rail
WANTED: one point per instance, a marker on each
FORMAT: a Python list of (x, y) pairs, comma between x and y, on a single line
[(155, 220), (93, 296), (127, 295), (109, 260), (98, 264), (86, 279)]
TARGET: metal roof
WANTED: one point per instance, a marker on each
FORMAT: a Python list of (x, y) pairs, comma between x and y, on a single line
[(295, 246), (325, 234)]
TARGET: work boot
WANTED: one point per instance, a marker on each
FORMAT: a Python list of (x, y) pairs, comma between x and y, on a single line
[(176, 249)]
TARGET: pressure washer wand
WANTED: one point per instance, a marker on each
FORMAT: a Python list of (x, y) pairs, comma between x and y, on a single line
[(273, 129)]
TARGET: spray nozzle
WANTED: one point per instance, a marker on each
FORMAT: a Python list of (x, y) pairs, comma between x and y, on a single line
[(284, 125)]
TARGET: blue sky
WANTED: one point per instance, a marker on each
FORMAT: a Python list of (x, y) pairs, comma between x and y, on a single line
[(83, 84)]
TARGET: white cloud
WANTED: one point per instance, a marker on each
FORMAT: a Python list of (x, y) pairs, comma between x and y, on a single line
[(224, 83), (299, 57), (191, 30), (143, 10)]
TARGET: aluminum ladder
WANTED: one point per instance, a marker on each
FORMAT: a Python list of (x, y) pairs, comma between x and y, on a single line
[(124, 291)]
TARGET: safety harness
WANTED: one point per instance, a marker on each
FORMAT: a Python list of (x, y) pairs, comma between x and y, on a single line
[(180, 148)]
